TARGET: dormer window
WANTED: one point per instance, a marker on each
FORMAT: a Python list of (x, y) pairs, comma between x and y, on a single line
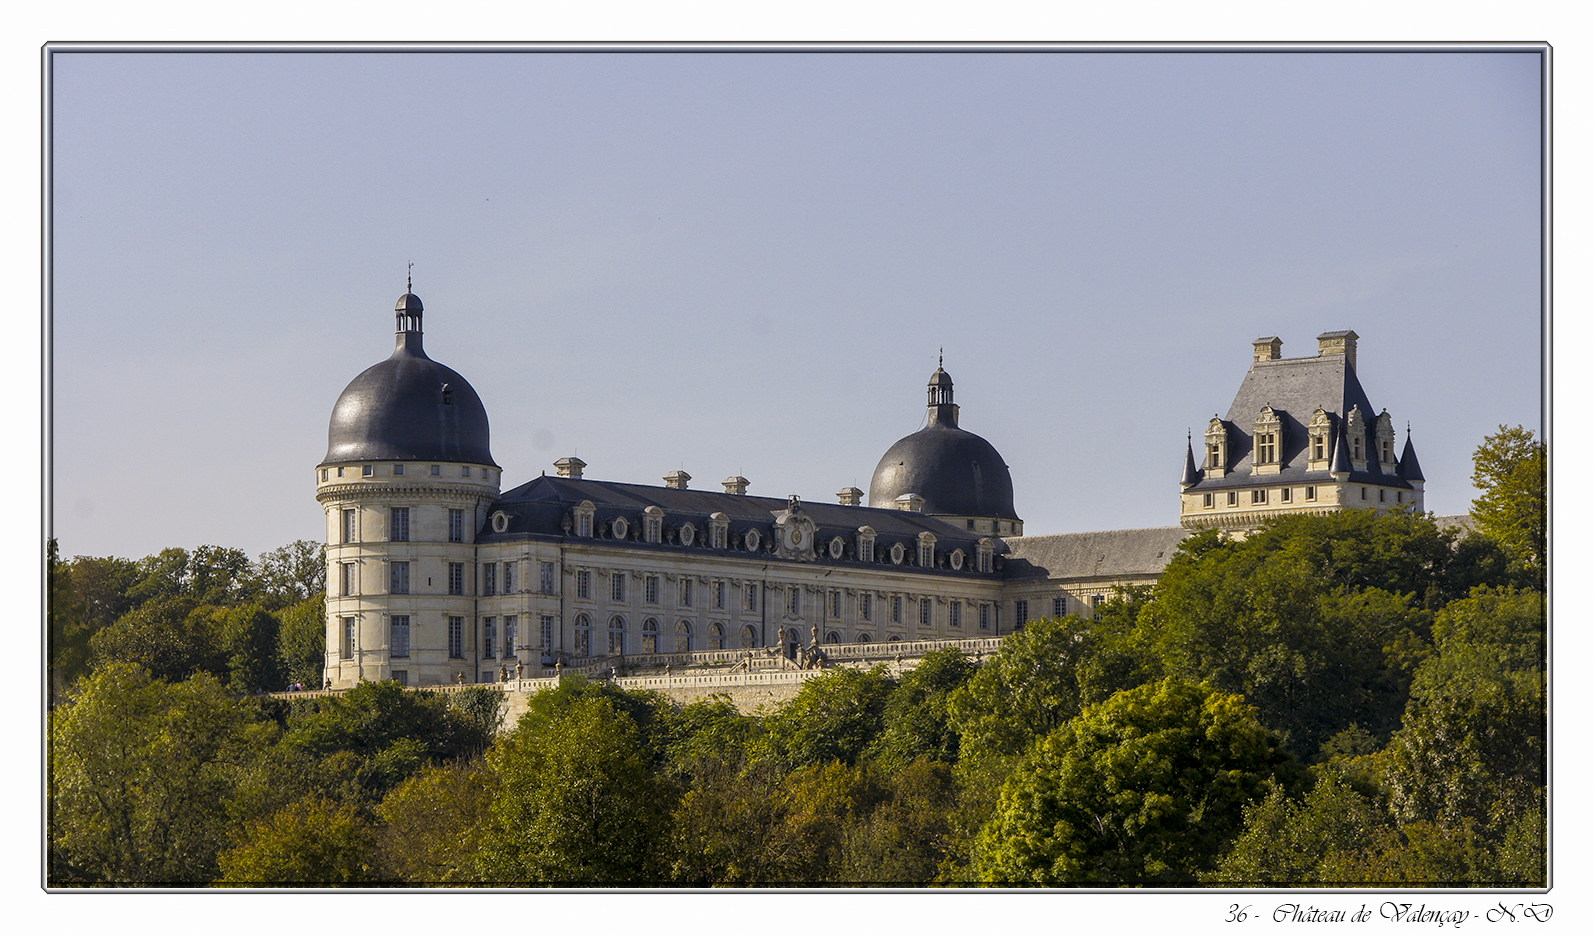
[(1384, 431), (866, 536), (584, 511), (652, 523), (1356, 429), (1217, 448), (926, 550), (1267, 438), (718, 524), (1318, 432), (984, 556)]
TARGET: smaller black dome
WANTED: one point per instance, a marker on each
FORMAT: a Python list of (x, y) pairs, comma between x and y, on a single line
[(409, 302)]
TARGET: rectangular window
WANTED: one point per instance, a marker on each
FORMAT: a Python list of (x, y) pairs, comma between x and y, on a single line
[(1206, 501), (1380, 496), (323, 474), (719, 595), (1234, 497), (617, 586), (1214, 458), (1095, 605), (1311, 493), (1317, 447), (1265, 448), (835, 604), (750, 593), (489, 635), (794, 600), (489, 578), (509, 635), (398, 639), (437, 470), (456, 525), (348, 526), (509, 577), (866, 550), (547, 632), (954, 614), (340, 472), (398, 470), (896, 609), (456, 637), (398, 524), (346, 578), (1258, 496), (1284, 495), (545, 577), (399, 578), (1020, 613), (464, 472), (402, 677), (1059, 607), (866, 607), (368, 470), (1364, 493), (1400, 496), (584, 585), (652, 589), (348, 638), (686, 592), (985, 616), (926, 611), (456, 577)]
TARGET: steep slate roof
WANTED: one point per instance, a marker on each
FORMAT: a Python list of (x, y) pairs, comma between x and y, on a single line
[(538, 508), (1109, 554), (1296, 387)]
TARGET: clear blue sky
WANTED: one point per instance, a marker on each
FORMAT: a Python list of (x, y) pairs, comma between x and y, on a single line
[(746, 263)]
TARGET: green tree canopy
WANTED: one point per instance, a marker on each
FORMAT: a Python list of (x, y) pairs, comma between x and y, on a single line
[(168, 635), (833, 717), (311, 842), (916, 722), (1147, 787), (1509, 471)]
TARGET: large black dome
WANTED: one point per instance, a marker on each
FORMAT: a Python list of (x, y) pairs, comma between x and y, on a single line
[(957, 472), (409, 408)]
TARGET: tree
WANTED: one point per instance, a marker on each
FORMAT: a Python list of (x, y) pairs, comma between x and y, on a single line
[(248, 635), (577, 801), (162, 575), (222, 576), (1147, 787), (167, 635), (833, 717), (916, 721), (69, 637), (1509, 471), (1027, 690), (293, 573), (141, 774), (1326, 840), (431, 824), (312, 842), (302, 641)]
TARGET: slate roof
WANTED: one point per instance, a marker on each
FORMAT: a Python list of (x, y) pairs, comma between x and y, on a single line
[(1296, 387), (539, 508), (1118, 553)]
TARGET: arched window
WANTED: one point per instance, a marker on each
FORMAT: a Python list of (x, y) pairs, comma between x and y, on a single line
[(652, 523), (894, 638), (749, 638), (791, 642), (716, 636), (650, 635), (926, 550), (584, 511), (616, 636), (583, 635), (832, 637), (863, 638), (683, 637), (718, 523)]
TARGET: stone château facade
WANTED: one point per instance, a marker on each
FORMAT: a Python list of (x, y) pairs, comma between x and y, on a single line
[(436, 575)]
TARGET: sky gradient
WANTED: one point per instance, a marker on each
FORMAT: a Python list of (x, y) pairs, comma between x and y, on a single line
[(748, 262)]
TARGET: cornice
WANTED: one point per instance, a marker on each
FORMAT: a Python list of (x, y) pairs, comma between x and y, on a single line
[(406, 491)]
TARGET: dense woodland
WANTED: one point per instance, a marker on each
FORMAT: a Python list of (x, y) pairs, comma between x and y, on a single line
[(1336, 700)]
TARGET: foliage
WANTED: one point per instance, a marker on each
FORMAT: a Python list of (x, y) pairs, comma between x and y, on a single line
[(430, 824), (916, 722), (833, 717), (292, 574), (312, 842), (222, 576), (167, 635), (69, 637), (302, 641), (1027, 690), (1509, 471), (141, 772), (1147, 787), (577, 802), (248, 635), (1327, 840)]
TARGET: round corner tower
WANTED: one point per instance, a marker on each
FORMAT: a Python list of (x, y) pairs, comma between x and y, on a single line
[(405, 484)]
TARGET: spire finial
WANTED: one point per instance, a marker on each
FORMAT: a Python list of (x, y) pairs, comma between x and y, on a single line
[(940, 358), (409, 278)]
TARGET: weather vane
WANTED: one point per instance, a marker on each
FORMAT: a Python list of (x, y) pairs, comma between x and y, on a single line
[(409, 278)]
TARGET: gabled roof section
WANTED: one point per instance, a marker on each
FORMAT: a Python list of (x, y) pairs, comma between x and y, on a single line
[(1118, 553)]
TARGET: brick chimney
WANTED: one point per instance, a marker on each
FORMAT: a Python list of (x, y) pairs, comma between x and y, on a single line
[(570, 467), (1338, 342)]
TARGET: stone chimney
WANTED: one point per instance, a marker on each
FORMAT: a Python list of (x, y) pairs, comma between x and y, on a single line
[(736, 485), (570, 467), (1269, 348), (1338, 342), (850, 496), (676, 480)]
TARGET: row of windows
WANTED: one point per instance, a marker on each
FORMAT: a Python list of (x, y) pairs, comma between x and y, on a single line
[(399, 637), (369, 470), (1263, 496), (398, 525)]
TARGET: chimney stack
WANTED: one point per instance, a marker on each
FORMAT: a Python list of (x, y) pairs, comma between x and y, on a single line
[(1269, 348), (570, 467), (1338, 342), (736, 485), (850, 496), (676, 480)]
